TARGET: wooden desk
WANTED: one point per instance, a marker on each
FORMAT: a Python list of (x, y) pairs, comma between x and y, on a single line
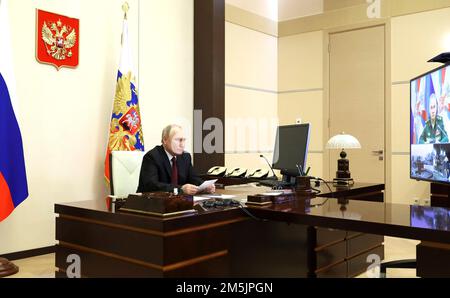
[(208, 243), (228, 243)]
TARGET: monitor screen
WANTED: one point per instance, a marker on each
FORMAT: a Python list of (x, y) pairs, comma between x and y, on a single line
[(430, 126), (291, 148)]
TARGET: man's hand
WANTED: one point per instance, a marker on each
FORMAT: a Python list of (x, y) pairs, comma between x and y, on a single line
[(211, 189), (189, 189)]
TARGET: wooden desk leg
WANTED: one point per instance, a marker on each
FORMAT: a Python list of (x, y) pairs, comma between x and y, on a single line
[(310, 252), (433, 259)]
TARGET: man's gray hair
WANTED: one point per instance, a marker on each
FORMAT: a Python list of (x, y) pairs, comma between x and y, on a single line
[(433, 95), (168, 130)]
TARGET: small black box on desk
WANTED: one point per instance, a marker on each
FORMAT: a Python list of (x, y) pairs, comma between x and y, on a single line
[(159, 203), (269, 198)]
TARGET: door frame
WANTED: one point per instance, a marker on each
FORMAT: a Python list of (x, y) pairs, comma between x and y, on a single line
[(387, 96)]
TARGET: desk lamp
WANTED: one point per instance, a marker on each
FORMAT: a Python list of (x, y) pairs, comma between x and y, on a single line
[(343, 141)]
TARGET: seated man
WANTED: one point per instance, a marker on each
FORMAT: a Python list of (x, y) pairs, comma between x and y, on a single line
[(167, 167)]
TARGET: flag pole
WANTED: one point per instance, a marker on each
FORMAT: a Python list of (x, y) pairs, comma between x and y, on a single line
[(125, 8), (7, 268)]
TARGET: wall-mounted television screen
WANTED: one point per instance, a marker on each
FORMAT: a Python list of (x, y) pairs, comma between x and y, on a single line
[(430, 126)]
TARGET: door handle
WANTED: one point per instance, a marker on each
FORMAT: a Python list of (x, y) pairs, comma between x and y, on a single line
[(378, 152)]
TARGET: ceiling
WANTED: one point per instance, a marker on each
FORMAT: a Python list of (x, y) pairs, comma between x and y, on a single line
[(280, 10), (291, 9), (265, 8)]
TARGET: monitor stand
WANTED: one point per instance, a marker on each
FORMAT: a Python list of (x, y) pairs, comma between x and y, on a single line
[(288, 179), (343, 181)]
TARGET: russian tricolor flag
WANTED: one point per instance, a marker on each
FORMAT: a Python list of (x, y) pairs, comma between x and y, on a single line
[(13, 180)]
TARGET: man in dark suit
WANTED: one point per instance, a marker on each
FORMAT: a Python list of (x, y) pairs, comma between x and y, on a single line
[(168, 166)]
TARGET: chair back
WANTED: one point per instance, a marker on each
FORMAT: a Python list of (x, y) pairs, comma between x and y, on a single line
[(125, 171)]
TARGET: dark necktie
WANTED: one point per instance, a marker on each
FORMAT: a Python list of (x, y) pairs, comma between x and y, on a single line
[(174, 180)]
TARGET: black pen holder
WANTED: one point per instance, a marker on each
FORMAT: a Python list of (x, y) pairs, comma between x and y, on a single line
[(303, 185)]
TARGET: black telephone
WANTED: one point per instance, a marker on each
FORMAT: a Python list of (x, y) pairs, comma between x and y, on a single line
[(217, 171), (258, 174), (220, 203), (237, 172)]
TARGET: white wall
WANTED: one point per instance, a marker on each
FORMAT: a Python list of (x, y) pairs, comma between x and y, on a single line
[(65, 115)]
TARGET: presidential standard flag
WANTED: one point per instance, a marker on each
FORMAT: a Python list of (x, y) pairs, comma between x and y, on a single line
[(13, 180), (125, 132)]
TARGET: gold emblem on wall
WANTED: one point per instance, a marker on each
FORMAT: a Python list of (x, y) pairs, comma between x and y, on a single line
[(57, 39)]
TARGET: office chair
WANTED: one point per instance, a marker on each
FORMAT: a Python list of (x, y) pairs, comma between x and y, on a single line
[(399, 264), (124, 172)]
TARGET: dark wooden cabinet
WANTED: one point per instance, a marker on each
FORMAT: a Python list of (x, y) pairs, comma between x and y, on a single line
[(336, 248), (339, 249), (440, 195), (127, 245)]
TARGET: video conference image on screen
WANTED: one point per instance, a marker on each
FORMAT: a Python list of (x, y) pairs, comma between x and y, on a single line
[(430, 126)]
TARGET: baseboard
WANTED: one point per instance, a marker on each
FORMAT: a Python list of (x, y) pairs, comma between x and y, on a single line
[(29, 253)]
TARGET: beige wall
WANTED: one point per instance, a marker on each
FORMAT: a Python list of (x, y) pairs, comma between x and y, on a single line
[(250, 58), (351, 12), (255, 22), (300, 60), (289, 9), (166, 67), (250, 96), (264, 8), (65, 115), (415, 40), (300, 80), (333, 4)]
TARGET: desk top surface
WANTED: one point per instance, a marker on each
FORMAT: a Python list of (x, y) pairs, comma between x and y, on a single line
[(414, 222)]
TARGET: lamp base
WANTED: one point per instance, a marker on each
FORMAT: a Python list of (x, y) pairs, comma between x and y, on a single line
[(343, 166), (343, 181)]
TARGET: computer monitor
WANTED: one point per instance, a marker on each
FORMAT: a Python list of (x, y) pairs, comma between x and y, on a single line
[(291, 150)]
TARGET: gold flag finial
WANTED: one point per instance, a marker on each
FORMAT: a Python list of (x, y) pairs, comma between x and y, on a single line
[(125, 8)]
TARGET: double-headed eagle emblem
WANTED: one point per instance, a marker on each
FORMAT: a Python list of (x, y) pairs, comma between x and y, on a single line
[(59, 40), (126, 128)]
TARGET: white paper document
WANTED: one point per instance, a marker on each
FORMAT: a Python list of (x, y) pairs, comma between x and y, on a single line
[(212, 196), (199, 199), (219, 196), (206, 184)]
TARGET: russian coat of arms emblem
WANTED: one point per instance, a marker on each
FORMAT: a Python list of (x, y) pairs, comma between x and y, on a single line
[(57, 39)]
